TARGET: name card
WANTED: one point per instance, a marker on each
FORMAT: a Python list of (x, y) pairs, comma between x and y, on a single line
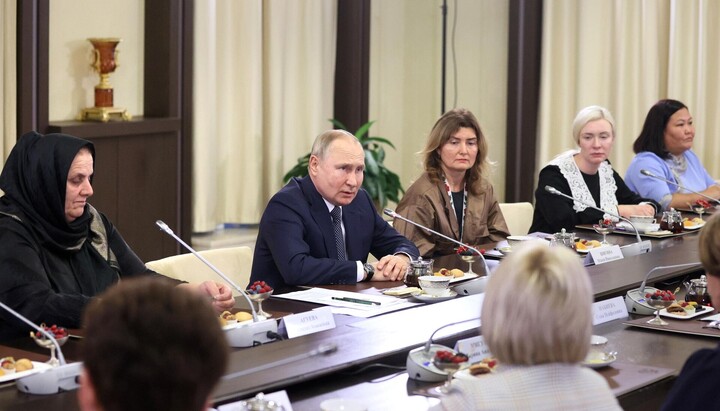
[(309, 322), (608, 310), (602, 255), (474, 347)]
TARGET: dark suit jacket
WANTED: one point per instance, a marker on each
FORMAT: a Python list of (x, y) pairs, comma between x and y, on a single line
[(296, 244), (696, 386)]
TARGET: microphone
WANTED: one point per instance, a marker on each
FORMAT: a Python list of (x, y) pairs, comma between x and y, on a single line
[(393, 214), (322, 349), (419, 362), (53, 380), (244, 335), (635, 299), (650, 174), (640, 247)]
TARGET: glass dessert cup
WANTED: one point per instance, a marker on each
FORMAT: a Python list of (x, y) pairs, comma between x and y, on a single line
[(47, 343), (259, 298), (658, 305), (604, 228), (698, 209), (450, 368), (470, 259)]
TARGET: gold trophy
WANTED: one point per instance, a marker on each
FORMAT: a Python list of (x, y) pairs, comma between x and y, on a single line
[(105, 62)]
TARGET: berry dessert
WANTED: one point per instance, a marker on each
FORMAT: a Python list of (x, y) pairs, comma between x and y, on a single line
[(449, 357), (54, 330), (660, 298), (259, 287), (462, 250)]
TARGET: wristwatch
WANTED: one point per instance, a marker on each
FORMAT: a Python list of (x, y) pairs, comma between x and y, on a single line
[(369, 271)]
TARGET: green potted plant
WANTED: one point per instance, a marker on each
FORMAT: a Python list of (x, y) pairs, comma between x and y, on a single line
[(381, 183)]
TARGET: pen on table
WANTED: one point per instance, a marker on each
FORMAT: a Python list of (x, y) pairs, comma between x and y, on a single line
[(356, 300)]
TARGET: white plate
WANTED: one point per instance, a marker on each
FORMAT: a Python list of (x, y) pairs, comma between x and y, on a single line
[(587, 250), (239, 323), (694, 226), (426, 298), (464, 374), (707, 310), (600, 363), (467, 276), (37, 367)]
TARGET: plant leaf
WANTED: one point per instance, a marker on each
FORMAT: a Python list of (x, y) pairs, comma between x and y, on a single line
[(337, 124), (363, 130)]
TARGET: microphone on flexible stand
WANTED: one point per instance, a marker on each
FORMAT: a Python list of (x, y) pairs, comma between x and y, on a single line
[(419, 362), (244, 335), (393, 214), (64, 377), (635, 299), (650, 174), (640, 247)]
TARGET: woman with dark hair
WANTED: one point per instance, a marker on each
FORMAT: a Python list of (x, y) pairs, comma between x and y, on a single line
[(58, 251), (664, 148), (453, 196)]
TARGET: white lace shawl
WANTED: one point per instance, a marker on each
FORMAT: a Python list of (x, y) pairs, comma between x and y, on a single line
[(578, 188)]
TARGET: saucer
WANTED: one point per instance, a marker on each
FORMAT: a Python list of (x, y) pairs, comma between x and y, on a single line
[(600, 362), (427, 298)]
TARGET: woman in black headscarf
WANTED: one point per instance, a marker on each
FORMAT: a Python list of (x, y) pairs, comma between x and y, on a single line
[(57, 251)]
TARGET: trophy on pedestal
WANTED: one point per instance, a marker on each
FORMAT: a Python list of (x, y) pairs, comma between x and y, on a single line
[(104, 62)]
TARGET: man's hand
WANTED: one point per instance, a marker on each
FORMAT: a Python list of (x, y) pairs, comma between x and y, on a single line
[(391, 268)]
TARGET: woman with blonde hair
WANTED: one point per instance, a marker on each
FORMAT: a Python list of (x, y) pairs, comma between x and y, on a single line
[(586, 174), (453, 196), (540, 342)]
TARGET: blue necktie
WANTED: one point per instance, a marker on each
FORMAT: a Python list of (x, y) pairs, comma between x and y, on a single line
[(336, 215)]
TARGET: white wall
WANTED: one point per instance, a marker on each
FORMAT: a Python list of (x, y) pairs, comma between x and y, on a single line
[(71, 79)]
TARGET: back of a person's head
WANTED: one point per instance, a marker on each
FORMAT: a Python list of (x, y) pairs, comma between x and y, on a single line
[(537, 307), (152, 346), (710, 246)]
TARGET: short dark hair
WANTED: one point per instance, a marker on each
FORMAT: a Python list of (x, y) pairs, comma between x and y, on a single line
[(652, 136), (152, 346)]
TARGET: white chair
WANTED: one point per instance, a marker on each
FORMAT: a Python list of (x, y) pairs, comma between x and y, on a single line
[(518, 217), (234, 262)]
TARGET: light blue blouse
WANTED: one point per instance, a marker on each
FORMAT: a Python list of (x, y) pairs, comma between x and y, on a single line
[(695, 177)]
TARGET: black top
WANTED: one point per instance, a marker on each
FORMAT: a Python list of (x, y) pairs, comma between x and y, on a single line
[(51, 268), (696, 387), (553, 212), (458, 199)]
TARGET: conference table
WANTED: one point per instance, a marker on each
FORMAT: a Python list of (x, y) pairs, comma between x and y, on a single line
[(371, 352)]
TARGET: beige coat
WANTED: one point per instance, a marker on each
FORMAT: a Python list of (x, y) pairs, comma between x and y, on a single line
[(428, 203)]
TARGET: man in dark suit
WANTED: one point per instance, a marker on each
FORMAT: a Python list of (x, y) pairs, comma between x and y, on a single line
[(320, 229)]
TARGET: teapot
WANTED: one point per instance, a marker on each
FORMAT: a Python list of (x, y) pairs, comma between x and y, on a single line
[(672, 221), (417, 268), (697, 290), (563, 238)]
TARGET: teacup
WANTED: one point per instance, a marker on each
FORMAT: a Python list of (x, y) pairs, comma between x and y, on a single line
[(642, 219), (434, 285), (598, 347)]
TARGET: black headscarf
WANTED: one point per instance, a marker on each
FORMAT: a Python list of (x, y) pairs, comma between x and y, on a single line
[(34, 180)]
